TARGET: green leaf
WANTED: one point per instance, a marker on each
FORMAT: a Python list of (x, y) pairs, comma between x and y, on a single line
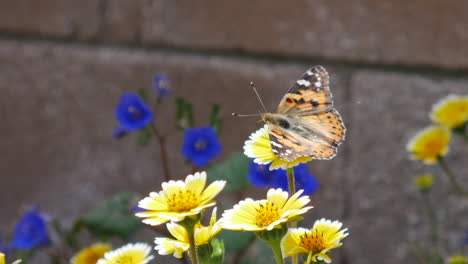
[(217, 257), (114, 218), (233, 170), (142, 93), (144, 136), (215, 120), (184, 114)]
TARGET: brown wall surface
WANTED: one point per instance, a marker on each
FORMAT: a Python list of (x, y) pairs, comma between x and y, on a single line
[(64, 65)]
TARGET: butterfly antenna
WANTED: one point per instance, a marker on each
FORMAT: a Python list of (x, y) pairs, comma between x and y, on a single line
[(258, 96)]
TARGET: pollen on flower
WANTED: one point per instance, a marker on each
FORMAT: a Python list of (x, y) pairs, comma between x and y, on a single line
[(183, 201), (266, 214), (313, 242)]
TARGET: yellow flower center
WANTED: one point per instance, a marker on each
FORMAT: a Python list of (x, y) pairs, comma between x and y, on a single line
[(267, 214), (183, 201), (314, 242), (125, 260)]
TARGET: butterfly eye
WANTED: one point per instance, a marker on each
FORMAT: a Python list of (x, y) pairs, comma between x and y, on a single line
[(283, 123)]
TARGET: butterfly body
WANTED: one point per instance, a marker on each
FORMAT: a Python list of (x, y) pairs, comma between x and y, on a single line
[(306, 124)]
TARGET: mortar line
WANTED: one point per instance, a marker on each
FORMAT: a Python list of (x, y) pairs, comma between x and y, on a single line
[(430, 71)]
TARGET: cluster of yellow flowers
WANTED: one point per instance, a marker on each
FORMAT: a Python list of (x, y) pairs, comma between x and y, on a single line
[(181, 202), (449, 114)]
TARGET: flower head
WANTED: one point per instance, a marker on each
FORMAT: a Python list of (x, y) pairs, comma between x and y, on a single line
[(177, 246), (31, 231), (161, 85), (91, 254), (138, 253), (424, 182), (451, 111), (324, 236), (259, 148), (458, 259), (132, 112), (179, 199), (201, 145), (266, 214), (429, 144), (261, 176)]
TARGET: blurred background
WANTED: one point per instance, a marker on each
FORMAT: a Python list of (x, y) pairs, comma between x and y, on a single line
[(64, 65)]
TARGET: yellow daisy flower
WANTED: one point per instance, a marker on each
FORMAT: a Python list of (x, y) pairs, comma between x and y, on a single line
[(91, 255), (179, 199), (324, 236), (429, 144), (203, 235), (266, 214), (259, 147), (138, 253), (458, 260), (451, 111)]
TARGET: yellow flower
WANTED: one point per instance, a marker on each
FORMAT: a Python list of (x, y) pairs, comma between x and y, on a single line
[(424, 182), (458, 260), (429, 144), (259, 147), (262, 215), (179, 199), (203, 235), (451, 111), (324, 236), (138, 253), (2, 259), (91, 255)]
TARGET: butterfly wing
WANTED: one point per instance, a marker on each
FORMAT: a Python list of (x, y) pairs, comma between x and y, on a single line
[(317, 135), (311, 93), (314, 127)]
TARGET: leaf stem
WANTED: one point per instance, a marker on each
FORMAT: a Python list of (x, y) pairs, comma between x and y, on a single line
[(276, 247), (163, 152), (432, 218), (451, 176), (292, 190), (193, 248)]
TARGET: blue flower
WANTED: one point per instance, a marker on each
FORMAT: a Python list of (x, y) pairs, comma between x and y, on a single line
[(161, 85), (31, 231), (132, 112), (465, 239), (261, 176), (201, 145)]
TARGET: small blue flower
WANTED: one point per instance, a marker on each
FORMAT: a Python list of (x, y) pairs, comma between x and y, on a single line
[(261, 176), (201, 145), (137, 209), (161, 85), (31, 231), (132, 112)]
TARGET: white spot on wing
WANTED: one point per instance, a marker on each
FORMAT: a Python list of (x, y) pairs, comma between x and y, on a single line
[(309, 72), (303, 82), (318, 84)]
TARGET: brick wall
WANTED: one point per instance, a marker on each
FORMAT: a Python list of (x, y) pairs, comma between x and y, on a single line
[(64, 64)]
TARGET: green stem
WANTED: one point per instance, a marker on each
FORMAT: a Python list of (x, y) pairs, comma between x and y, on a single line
[(193, 247), (451, 177), (432, 218), (292, 190), (276, 247)]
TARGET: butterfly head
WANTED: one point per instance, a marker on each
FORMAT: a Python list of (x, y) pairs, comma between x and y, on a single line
[(276, 120)]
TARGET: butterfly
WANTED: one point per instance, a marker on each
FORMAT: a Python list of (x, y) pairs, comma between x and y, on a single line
[(305, 123)]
